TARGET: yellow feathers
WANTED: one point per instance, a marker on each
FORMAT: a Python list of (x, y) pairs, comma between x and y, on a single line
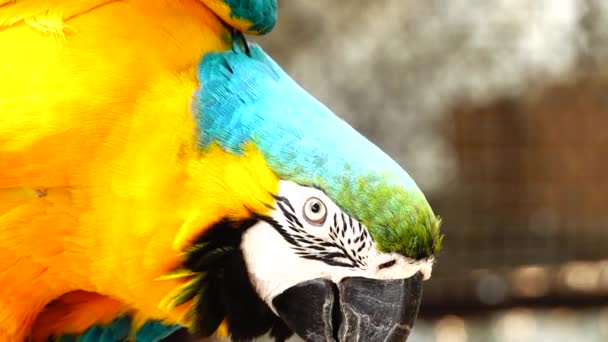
[(44, 17), (102, 183), (234, 188), (69, 97)]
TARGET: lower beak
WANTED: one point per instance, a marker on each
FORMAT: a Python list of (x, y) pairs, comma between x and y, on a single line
[(357, 309)]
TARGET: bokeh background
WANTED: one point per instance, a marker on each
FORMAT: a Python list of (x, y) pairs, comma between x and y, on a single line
[(499, 110)]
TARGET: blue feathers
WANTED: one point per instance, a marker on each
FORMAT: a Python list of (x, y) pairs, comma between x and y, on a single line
[(246, 98), (261, 13), (155, 331), (120, 330), (117, 330)]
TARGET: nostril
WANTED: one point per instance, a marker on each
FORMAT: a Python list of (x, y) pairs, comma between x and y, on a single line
[(386, 264)]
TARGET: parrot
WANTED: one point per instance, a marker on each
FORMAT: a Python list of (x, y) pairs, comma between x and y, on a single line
[(159, 172)]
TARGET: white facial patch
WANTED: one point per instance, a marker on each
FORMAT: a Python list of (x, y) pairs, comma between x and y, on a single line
[(309, 237)]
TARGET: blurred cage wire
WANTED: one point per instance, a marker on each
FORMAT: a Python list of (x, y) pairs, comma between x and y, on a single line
[(499, 109)]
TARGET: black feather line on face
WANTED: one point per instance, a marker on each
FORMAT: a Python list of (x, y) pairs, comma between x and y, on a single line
[(334, 252), (223, 290)]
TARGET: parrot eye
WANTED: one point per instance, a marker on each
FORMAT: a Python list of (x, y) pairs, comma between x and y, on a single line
[(314, 211)]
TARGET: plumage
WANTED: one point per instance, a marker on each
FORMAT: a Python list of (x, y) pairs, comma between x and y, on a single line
[(305, 142), (109, 322), (249, 16), (154, 174), (95, 125)]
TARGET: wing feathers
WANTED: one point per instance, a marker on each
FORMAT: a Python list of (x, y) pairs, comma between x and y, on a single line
[(46, 16)]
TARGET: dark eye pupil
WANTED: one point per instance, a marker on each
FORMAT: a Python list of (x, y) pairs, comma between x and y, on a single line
[(315, 208)]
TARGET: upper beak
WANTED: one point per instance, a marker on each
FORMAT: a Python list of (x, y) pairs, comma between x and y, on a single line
[(357, 309)]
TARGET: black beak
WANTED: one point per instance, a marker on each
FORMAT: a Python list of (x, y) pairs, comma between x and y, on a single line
[(357, 309)]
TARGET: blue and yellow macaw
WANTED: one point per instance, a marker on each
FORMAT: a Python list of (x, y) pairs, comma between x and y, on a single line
[(158, 172)]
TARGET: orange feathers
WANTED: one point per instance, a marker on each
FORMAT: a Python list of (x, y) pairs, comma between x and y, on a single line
[(100, 176)]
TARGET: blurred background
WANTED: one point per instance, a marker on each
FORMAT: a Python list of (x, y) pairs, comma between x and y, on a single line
[(499, 110)]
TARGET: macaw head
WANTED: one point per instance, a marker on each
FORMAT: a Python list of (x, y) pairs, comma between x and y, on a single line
[(336, 238)]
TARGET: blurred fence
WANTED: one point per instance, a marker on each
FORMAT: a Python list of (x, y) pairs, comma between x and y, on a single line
[(526, 221), (526, 217)]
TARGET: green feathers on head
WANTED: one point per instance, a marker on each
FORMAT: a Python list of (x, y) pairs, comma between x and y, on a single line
[(399, 219)]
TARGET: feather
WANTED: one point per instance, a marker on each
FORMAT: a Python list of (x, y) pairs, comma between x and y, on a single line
[(44, 15), (120, 329), (96, 132), (249, 16), (248, 98)]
